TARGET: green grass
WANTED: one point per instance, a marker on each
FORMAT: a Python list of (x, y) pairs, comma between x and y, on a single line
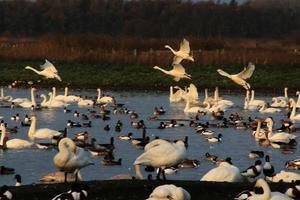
[(83, 75)]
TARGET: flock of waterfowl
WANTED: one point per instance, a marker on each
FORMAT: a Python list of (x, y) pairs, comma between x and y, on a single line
[(165, 155)]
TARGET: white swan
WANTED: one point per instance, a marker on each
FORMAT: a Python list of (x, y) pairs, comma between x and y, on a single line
[(183, 53), (253, 101), (240, 77), (104, 99), (247, 102), (178, 72), (177, 96), (29, 104), (221, 101), (207, 99), (267, 194), (258, 133), (298, 101), (293, 115), (55, 103), (282, 98), (284, 176), (43, 133), (48, 70), (16, 143), (161, 156), (58, 97), (225, 172), (280, 137), (70, 98), (85, 102), (192, 94), (263, 109), (44, 102), (5, 98), (194, 109), (70, 158), (165, 192)]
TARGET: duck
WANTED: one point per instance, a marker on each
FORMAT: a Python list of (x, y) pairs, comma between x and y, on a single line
[(126, 137), (5, 194), (87, 124), (112, 162), (225, 172), (70, 158), (210, 157), (169, 170), (77, 192), (76, 113), (268, 168), (160, 156), (203, 131), (186, 163), (256, 154), (293, 164), (293, 192), (18, 179), (169, 192), (107, 127), (15, 117), (215, 139), (71, 124), (6, 170), (253, 171)]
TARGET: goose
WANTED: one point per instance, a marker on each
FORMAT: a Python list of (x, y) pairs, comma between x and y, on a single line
[(267, 194), (29, 104), (18, 179), (293, 192), (161, 156), (268, 169), (263, 109), (104, 99), (178, 72), (281, 137), (293, 115), (171, 191), (48, 70), (182, 53), (70, 158), (58, 177), (225, 172), (284, 176), (42, 133), (5, 194), (253, 171), (240, 77)]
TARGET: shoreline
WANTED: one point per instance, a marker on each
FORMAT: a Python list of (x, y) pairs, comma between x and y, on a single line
[(138, 189)]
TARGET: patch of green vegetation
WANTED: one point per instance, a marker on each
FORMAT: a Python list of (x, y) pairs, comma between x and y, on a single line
[(84, 75)]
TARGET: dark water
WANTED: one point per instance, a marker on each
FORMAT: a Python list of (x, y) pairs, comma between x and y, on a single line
[(34, 163)]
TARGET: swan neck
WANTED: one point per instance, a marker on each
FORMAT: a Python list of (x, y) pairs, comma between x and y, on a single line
[(168, 47), (298, 101), (187, 105), (32, 128), (164, 71), (2, 93), (206, 94), (36, 71), (285, 93), (267, 192), (99, 94), (293, 113), (33, 97), (66, 91), (3, 135), (54, 92), (252, 95), (138, 172), (216, 94), (258, 128)]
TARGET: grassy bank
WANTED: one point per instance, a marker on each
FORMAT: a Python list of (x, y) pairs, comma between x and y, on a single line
[(133, 77), (137, 190)]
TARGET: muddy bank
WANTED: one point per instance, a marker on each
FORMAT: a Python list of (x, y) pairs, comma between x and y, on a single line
[(137, 189)]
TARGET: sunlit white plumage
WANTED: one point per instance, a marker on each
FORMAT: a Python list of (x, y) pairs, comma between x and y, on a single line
[(284, 176), (48, 70), (175, 96), (240, 77), (167, 192), (178, 72), (182, 53), (29, 104), (293, 115)]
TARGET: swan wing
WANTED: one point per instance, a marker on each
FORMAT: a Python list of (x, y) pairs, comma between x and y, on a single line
[(223, 73), (18, 144), (178, 68), (45, 133), (155, 143), (185, 46), (247, 72), (177, 60), (49, 67), (193, 92)]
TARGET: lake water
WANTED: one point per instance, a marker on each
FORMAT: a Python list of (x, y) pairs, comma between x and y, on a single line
[(34, 163)]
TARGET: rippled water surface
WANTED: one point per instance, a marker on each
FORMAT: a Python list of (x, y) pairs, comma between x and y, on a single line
[(34, 163)]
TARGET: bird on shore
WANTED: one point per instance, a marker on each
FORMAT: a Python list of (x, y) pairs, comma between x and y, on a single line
[(178, 72), (165, 192), (48, 70), (240, 77), (182, 53)]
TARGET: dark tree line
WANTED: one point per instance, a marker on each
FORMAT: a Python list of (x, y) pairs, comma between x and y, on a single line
[(147, 18)]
